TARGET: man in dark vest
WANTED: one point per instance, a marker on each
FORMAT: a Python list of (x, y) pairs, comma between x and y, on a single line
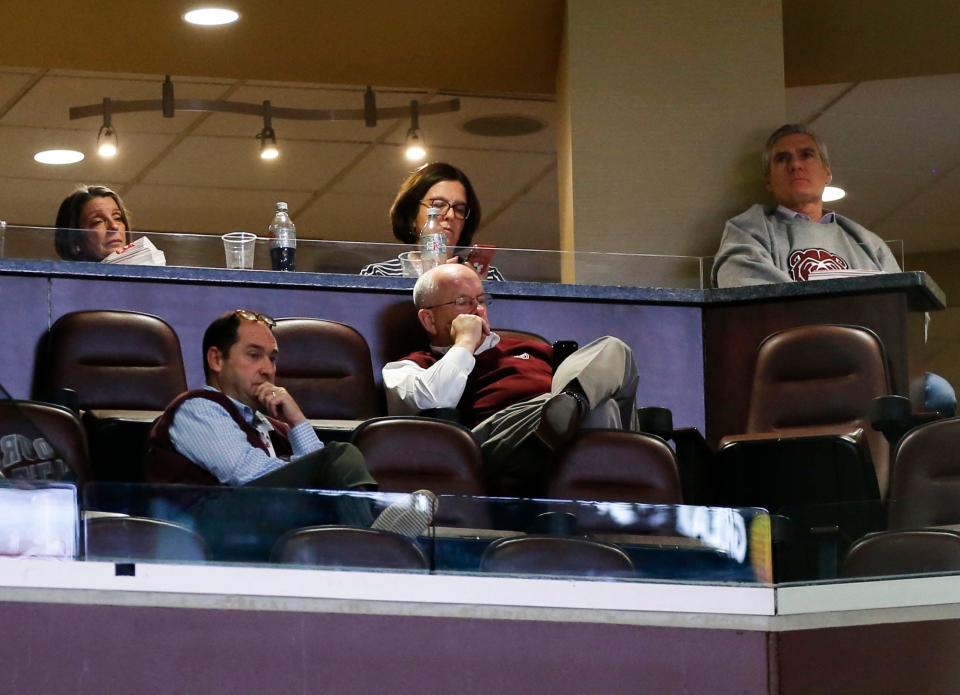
[(242, 429), (506, 389)]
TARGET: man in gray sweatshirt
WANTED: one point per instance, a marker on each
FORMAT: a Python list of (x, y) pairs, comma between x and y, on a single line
[(785, 243)]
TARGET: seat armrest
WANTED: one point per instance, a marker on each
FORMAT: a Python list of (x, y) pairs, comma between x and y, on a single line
[(854, 434), (893, 415), (656, 421), (449, 414)]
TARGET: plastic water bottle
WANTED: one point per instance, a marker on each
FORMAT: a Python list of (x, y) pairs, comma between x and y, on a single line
[(433, 242), (283, 240)]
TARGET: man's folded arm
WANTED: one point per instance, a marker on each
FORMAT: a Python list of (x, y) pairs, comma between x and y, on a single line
[(743, 259), (207, 435), (411, 388)]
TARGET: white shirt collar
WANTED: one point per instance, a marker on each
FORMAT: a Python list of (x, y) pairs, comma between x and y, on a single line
[(829, 217)]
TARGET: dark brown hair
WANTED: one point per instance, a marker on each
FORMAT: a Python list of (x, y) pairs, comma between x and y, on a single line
[(403, 212), (69, 237)]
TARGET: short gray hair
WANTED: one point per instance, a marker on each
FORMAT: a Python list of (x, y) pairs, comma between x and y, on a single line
[(425, 288), (782, 132)]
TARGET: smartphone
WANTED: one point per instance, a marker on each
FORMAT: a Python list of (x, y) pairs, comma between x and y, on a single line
[(562, 349), (480, 257)]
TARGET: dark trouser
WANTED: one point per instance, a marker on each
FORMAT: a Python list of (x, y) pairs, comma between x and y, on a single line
[(242, 524), (337, 466), (517, 464)]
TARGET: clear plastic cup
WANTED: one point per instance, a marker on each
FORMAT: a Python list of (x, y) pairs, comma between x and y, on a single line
[(410, 264), (238, 248)]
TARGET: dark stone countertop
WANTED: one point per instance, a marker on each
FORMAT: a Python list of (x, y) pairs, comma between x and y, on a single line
[(923, 293)]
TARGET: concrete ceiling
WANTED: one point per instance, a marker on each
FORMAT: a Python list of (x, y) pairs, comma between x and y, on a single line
[(894, 142)]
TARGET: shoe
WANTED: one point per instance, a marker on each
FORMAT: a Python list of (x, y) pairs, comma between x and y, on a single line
[(560, 419), (410, 516)]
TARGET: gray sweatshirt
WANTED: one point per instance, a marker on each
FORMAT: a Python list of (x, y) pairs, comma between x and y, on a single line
[(760, 247)]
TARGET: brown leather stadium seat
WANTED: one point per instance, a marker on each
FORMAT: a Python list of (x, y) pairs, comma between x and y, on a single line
[(408, 453), (893, 553), (57, 426), (140, 538), (344, 546), (811, 397), (114, 360), (617, 466), (556, 555), (326, 366), (925, 485)]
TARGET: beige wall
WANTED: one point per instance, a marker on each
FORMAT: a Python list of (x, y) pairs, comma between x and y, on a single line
[(943, 334), (663, 103)]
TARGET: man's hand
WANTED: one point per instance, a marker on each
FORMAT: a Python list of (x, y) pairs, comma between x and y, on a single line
[(277, 402), (468, 331)]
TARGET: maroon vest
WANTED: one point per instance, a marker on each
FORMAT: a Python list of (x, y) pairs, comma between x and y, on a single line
[(513, 371), (164, 464)]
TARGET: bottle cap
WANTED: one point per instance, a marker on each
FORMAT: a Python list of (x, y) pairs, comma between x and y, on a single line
[(433, 211), (281, 206)]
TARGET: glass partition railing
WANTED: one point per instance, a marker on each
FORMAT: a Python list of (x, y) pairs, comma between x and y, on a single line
[(799, 544), (39, 520), (345, 257), (126, 522)]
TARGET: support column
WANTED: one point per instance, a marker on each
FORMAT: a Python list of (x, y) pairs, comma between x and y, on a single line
[(664, 105)]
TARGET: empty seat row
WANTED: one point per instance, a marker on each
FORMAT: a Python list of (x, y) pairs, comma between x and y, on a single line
[(139, 538)]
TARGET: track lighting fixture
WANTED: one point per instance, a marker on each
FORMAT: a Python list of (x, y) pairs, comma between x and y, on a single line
[(107, 143), (414, 147), (169, 106), (266, 137)]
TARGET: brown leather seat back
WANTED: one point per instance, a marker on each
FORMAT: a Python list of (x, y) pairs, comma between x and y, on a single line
[(405, 454), (617, 466), (893, 553), (141, 538), (343, 546), (556, 555), (115, 360), (810, 378), (326, 366), (24, 457), (925, 484)]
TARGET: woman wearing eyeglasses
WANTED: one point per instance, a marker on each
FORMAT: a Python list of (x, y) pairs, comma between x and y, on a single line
[(437, 185)]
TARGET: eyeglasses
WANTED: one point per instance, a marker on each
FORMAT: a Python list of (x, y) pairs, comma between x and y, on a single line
[(463, 302), (248, 315), (460, 210)]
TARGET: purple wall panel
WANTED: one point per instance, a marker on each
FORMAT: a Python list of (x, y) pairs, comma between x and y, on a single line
[(25, 305), (666, 339), (102, 649), (914, 657)]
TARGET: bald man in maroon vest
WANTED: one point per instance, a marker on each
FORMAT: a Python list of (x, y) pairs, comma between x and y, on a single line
[(506, 389)]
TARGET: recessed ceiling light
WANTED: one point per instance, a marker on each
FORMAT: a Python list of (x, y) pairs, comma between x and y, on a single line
[(211, 16), (58, 157), (832, 193)]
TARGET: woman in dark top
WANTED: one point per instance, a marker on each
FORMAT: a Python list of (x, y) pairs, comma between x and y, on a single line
[(437, 185), (91, 224)]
